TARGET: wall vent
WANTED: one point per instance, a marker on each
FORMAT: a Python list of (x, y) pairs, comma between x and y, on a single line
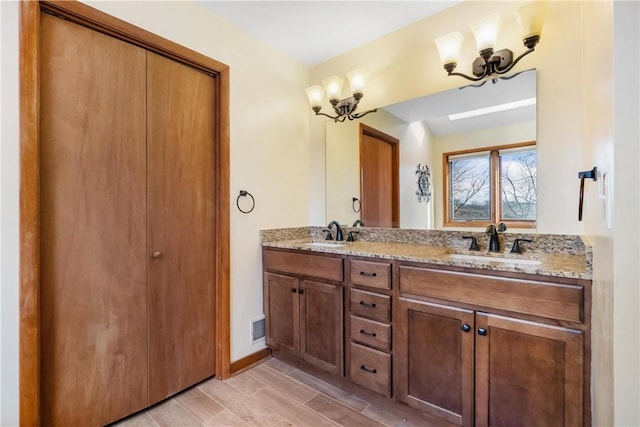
[(257, 329)]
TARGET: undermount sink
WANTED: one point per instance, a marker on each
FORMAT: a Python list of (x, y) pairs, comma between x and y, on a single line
[(324, 245), (487, 258)]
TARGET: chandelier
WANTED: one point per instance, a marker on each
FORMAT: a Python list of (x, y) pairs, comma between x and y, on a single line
[(343, 108), (485, 31)]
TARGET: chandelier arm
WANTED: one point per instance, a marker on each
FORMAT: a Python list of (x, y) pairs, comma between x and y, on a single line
[(358, 115), (326, 115), (473, 79), (515, 61), (353, 107)]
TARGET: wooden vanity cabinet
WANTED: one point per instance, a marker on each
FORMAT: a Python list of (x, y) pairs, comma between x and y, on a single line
[(434, 356), (304, 306), (456, 349), (528, 372), (369, 324)]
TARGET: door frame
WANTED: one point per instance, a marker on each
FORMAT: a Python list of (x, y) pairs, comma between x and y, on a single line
[(395, 169), (29, 233)]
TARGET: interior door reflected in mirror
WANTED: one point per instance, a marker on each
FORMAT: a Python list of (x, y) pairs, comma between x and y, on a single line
[(494, 112)]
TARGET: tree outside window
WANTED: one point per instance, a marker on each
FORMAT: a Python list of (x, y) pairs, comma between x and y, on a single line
[(493, 184)]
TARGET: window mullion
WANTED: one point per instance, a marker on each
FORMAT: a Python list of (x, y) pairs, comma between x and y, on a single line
[(495, 186)]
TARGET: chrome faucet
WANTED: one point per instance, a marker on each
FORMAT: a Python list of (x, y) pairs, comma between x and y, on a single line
[(339, 237), (494, 243)]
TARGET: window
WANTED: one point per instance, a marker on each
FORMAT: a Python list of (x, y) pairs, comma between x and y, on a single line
[(491, 185)]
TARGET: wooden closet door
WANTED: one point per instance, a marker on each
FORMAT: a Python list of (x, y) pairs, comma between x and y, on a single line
[(93, 243), (181, 219)]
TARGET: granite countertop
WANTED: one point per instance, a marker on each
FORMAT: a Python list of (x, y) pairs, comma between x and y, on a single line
[(571, 263)]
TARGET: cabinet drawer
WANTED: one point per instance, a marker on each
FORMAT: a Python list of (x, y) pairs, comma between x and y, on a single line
[(539, 298), (369, 273), (371, 333), (370, 368), (369, 304), (304, 264)]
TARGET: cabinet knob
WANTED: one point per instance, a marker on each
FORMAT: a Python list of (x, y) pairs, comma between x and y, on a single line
[(294, 290), (156, 255), (482, 331), (465, 328)]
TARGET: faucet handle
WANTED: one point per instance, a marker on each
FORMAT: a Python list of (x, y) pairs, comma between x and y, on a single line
[(329, 236), (502, 227), (350, 237), (515, 249), (474, 243)]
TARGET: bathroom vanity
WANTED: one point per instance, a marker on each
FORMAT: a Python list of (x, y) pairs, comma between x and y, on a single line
[(471, 337)]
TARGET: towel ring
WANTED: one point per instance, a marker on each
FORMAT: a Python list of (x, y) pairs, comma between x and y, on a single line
[(244, 193), (353, 205)]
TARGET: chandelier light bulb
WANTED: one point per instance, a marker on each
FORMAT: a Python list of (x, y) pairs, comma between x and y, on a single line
[(530, 18), (358, 80), (316, 95), (449, 47), (486, 31), (333, 87)]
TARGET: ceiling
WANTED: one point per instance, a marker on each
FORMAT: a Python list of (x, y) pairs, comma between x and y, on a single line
[(314, 31)]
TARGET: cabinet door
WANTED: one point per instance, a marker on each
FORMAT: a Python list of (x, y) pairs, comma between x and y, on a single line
[(181, 217), (281, 305), (93, 243), (434, 359), (527, 374), (321, 325)]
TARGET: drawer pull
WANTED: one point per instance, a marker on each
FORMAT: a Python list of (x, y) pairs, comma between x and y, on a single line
[(482, 331), (364, 273), (465, 328), (369, 334), (368, 304), (369, 370)]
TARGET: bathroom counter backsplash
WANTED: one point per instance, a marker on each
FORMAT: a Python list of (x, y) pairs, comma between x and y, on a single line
[(560, 255)]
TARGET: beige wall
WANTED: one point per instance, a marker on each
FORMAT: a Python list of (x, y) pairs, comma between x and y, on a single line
[(597, 111), (611, 135), (626, 188), (9, 213)]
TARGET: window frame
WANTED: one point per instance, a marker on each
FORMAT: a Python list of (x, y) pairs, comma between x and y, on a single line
[(495, 188)]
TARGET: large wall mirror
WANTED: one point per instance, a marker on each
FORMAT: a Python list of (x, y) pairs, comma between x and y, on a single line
[(358, 158)]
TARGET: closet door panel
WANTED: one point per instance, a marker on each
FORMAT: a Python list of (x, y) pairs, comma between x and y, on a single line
[(181, 131), (93, 243)]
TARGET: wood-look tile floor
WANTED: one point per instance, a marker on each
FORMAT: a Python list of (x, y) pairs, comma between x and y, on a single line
[(276, 394)]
